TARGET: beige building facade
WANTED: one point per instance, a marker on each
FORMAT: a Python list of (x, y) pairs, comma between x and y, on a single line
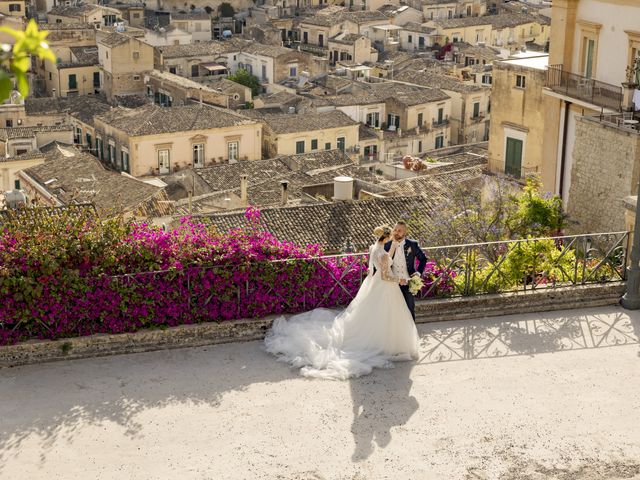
[(592, 44), (153, 140), (517, 119)]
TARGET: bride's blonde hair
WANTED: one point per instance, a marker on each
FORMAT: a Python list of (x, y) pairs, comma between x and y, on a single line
[(382, 232)]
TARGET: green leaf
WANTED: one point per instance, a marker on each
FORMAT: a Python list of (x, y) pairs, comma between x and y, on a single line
[(23, 84), (21, 64), (6, 86)]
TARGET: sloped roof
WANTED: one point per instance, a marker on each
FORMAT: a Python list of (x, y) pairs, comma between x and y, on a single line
[(329, 224), (77, 177), (153, 120)]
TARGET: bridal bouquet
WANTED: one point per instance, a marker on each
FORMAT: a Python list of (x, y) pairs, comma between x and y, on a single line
[(415, 284)]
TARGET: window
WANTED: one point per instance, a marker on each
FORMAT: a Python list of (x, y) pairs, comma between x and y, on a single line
[(8, 123), (136, 55), (73, 83), (14, 7), (440, 115), (112, 153), (371, 152), (476, 109), (99, 152), (327, 146), (107, 54), (314, 144), (440, 141), (300, 146), (77, 135), (109, 20), (232, 149), (419, 146), (88, 139), (393, 121), (136, 78), (16, 184), (340, 143), (487, 80), (410, 39), (293, 72), (164, 161), (21, 151), (124, 160), (198, 155), (513, 157), (49, 75), (589, 32), (96, 79), (520, 81), (264, 73), (172, 70), (136, 15), (195, 71), (373, 119), (420, 119)]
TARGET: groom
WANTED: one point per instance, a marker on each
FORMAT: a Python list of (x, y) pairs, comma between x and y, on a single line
[(404, 266)]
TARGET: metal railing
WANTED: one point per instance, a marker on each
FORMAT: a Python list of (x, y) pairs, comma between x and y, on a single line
[(626, 121), (583, 88), (256, 289)]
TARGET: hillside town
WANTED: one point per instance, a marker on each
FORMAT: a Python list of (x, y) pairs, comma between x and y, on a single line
[(160, 111)]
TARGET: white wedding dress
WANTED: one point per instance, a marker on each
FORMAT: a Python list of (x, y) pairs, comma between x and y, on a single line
[(375, 330)]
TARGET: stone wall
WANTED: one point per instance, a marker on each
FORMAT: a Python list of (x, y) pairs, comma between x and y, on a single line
[(464, 308), (605, 171)]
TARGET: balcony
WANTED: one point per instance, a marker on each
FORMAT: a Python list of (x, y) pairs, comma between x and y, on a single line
[(592, 91), (309, 48), (440, 123)]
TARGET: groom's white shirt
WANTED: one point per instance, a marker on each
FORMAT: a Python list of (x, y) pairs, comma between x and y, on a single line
[(399, 266)]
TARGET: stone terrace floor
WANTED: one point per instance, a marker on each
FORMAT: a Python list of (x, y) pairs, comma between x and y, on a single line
[(539, 396)]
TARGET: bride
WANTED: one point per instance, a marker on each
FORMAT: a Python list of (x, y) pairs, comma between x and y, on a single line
[(374, 330)]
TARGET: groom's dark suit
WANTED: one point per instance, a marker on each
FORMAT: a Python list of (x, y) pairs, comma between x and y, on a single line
[(412, 252)]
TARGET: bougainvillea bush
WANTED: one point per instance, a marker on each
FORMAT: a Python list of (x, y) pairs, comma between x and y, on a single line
[(75, 275)]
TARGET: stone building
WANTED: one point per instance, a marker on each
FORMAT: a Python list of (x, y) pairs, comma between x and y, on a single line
[(97, 15), (290, 134), (592, 44), (124, 60), (517, 119), (197, 24), (153, 140)]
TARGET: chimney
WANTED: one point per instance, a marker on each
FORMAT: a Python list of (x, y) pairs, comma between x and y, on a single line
[(243, 189), (285, 191), (343, 188)]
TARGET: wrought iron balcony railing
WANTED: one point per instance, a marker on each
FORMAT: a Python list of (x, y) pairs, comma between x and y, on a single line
[(456, 270), (583, 88)]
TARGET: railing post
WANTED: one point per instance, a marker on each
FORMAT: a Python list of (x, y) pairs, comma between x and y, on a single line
[(631, 298)]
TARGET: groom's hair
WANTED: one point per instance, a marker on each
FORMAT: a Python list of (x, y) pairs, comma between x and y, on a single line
[(401, 222)]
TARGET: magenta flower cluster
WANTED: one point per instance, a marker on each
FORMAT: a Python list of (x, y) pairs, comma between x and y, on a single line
[(87, 277)]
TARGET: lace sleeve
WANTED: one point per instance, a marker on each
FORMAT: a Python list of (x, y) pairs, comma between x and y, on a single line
[(385, 270)]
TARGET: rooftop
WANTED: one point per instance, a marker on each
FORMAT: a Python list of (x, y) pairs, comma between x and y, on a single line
[(211, 48), (539, 62), (500, 21), (329, 224), (86, 55), (83, 107), (77, 177), (308, 122), (27, 132), (435, 80), (154, 120)]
